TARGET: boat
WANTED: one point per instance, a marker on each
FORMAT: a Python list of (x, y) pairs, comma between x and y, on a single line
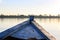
[(28, 30)]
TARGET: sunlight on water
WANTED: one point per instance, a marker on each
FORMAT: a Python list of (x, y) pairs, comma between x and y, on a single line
[(51, 25), (7, 23)]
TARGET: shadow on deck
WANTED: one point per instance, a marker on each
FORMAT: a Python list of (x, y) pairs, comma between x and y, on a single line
[(12, 38)]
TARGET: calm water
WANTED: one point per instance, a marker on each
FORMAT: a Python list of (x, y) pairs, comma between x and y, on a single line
[(51, 25)]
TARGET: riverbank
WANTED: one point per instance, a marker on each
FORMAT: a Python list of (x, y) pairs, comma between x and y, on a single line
[(28, 16)]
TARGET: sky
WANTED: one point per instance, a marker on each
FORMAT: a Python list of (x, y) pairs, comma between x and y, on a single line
[(29, 7)]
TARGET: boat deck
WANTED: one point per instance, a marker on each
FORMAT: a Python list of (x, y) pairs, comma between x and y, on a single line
[(29, 31)]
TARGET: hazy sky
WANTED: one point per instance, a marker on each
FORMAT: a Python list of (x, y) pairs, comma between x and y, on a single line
[(26, 7)]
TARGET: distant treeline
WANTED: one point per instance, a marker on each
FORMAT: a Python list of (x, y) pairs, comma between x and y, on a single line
[(23, 16)]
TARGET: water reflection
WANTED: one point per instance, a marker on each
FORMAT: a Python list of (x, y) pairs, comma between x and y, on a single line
[(9, 22), (49, 20), (52, 25)]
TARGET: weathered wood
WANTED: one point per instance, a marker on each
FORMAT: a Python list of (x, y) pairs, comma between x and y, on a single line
[(44, 31)]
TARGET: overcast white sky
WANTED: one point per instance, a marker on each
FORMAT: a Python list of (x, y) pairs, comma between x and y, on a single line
[(26, 7)]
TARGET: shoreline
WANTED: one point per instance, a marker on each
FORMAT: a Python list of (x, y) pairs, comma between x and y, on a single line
[(29, 16), (22, 16)]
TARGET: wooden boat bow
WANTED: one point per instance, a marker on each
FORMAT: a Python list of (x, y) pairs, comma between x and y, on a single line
[(26, 30)]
